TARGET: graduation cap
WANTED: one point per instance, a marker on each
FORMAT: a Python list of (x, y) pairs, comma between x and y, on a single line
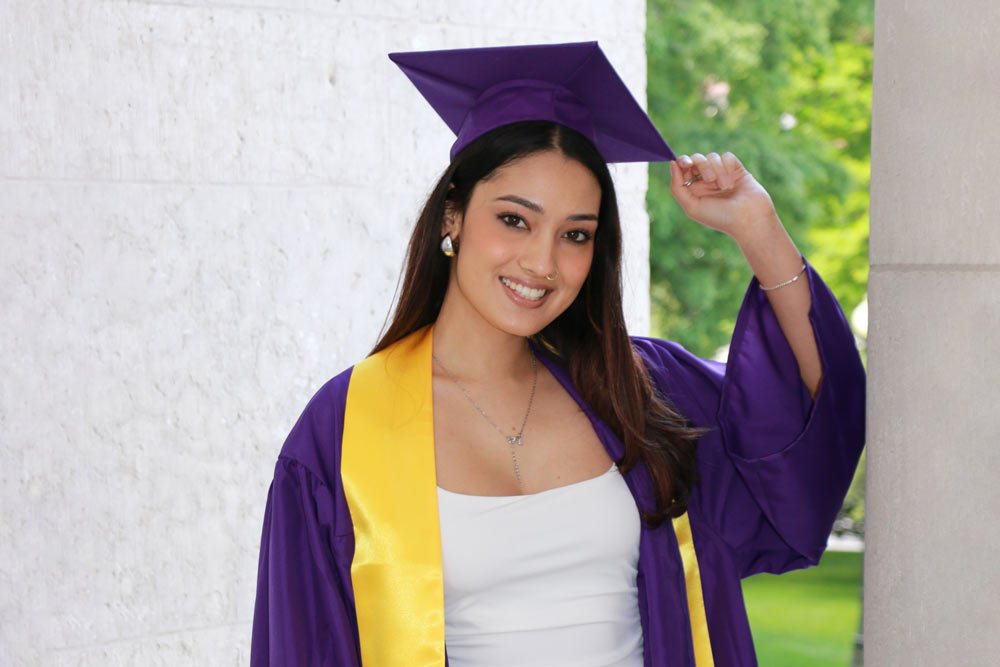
[(477, 90)]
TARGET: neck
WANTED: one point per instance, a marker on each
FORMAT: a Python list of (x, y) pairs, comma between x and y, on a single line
[(473, 349)]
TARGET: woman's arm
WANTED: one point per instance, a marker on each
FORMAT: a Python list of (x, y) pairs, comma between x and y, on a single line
[(774, 259), (304, 612), (719, 193), (775, 464)]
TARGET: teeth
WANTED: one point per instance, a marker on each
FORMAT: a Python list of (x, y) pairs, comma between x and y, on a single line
[(525, 292)]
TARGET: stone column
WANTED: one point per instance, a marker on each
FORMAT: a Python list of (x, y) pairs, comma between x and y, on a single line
[(932, 580)]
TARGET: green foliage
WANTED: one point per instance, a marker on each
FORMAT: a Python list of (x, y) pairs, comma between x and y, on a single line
[(808, 617), (722, 76), (852, 513)]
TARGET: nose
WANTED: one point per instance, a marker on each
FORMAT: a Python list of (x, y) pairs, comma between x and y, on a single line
[(538, 256)]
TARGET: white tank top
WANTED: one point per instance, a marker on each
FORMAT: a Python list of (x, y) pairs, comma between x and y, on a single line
[(542, 579)]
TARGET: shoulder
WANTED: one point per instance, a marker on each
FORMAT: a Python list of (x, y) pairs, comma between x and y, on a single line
[(668, 360), (314, 441), (688, 381), (659, 349)]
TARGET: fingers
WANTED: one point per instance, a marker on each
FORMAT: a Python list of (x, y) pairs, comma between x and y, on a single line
[(678, 180), (685, 167), (688, 169), (711, 169), (720, 170), (733, 164)]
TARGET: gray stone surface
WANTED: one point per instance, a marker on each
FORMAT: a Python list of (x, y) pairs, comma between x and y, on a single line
[(934, 133), (931, 577), (204, 207)]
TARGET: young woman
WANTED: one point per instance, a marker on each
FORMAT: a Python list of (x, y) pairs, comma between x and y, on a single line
[(513, 477)]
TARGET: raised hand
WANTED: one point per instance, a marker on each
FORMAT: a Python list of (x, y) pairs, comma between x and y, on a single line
[(718, 192)]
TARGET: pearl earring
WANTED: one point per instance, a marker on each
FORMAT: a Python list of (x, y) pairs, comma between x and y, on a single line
[(447, 247)]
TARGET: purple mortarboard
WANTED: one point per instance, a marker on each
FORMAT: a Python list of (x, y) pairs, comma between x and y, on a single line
[(477, 90)]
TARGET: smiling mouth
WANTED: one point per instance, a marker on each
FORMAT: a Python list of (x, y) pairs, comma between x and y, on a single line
[(529, 293)]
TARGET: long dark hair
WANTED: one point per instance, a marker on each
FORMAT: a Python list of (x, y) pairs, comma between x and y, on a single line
[(589, 337)]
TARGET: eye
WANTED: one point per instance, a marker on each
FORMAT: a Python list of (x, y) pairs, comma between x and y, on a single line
[(580, 236), (512, 220)]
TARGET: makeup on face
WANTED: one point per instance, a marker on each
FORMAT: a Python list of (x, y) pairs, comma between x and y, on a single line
[(527, 239)]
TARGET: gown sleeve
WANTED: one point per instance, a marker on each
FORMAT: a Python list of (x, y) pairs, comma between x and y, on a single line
[(775, 465), (304, 611)]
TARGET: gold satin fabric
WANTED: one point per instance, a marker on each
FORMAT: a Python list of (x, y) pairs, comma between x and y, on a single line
[(695, 599), (387, 468)]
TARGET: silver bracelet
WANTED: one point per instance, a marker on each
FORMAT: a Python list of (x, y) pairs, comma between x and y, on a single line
[(787, 282)]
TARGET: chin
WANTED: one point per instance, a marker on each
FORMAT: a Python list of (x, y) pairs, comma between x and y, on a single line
[(524, 326), (523, 329)]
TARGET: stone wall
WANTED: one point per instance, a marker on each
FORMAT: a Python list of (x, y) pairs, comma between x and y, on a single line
[(204, 207)]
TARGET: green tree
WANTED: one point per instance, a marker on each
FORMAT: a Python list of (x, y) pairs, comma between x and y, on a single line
[(786, 86)]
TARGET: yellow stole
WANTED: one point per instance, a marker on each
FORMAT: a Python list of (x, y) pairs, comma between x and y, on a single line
[(390, 482)]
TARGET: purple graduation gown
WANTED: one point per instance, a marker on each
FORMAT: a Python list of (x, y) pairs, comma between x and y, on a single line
[(773, 470)]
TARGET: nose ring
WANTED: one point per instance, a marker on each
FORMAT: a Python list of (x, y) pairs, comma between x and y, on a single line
[(553, 276)]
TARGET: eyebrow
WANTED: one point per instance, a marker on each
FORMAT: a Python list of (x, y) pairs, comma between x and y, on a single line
[(532, 206)]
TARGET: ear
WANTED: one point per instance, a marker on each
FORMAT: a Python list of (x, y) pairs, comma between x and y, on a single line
[(451, 223)]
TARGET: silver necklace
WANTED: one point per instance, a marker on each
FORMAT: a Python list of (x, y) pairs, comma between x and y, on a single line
[(512, 440)]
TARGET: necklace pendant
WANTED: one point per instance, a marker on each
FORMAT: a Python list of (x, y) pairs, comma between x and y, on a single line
[(515, 439)]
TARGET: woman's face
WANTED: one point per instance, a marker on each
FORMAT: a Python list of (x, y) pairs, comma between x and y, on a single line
[(526, 241)]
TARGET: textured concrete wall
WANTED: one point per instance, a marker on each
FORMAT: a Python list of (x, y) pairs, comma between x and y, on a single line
[(204, 207), (932, 584)]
